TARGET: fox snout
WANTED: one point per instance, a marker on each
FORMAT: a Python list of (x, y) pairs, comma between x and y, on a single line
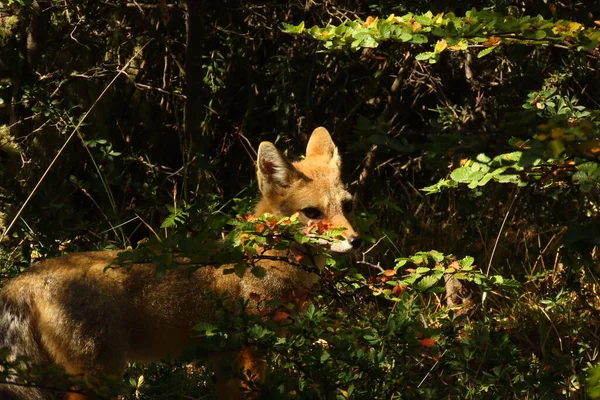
[(351, 243), (355, 241), (350, 239)]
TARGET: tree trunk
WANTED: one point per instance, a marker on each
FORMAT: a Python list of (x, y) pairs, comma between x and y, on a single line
[(35, 40)]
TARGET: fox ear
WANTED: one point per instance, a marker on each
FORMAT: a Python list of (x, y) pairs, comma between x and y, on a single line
[(274, 169), (321, 145)]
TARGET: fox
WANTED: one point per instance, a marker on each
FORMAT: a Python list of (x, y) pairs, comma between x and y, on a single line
[(74, 312)]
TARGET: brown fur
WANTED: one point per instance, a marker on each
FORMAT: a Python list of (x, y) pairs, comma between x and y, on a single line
[(71, 311)]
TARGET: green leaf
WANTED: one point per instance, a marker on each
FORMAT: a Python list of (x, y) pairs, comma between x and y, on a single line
[(301, 238), (372, 339), (293, 29), (418, 39), (486, 51), (436, 255), (405, 36), (485, 180), (259, 272), (466, 262), (417, 259), (424, 56), (593, 381), (427, 282), (400, 262), (462, 174), (206, 328), (587, 176), (239, 269), (369, 42), (424, 19)]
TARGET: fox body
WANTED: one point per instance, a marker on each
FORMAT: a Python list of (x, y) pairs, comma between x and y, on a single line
[(74, 312)]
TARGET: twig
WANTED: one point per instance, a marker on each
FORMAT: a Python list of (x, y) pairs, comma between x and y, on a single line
[(487, 272), (149, 227), (160, 90), (364, 262), (112, 228), (560, 343), (75, 39), (375, 245), (431, 369)]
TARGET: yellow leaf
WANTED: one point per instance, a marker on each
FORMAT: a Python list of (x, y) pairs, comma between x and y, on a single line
[(438, 19), (440, 46), (390, 18), (35, 255), (575, 26)]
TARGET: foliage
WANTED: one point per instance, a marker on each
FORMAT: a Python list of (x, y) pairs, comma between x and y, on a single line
[(482, 170), (476, 29), (491, 111)]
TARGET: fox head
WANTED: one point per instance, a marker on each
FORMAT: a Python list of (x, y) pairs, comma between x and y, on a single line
[(311, 187)]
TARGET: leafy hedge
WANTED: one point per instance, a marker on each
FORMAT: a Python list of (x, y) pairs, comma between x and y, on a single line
[(471, 132)]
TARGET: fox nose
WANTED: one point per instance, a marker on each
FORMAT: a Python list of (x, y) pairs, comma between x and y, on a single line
[(355, 242)]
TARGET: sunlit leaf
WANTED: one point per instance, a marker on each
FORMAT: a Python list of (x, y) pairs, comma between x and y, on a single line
[(440, 46), (426, 342)]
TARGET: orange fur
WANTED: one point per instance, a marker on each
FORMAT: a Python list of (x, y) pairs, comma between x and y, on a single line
[(71, 311)]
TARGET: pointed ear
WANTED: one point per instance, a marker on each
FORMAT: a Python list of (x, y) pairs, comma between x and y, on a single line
[(273, 169), (321, 145)]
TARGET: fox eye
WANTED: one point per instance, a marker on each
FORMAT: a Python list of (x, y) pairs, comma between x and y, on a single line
[(348, 206), (312, 213)]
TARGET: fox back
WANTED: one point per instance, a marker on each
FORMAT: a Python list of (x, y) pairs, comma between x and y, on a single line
[(74, 312)]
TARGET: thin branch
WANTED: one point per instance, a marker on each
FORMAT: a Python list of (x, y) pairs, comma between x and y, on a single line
[(487, 272), (364, 254)]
